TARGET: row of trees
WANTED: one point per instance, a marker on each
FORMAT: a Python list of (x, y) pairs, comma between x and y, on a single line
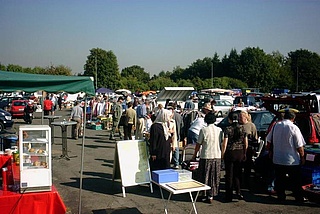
[(252, 67)]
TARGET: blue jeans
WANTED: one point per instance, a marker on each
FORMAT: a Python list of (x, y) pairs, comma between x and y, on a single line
[(192, 137), (175, 156)]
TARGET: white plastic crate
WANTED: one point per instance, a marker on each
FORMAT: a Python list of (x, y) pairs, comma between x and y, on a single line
[(184, 175)]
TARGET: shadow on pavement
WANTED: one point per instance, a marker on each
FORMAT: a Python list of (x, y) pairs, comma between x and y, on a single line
[(117, 211)]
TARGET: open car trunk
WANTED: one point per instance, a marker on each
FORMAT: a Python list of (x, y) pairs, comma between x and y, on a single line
[(307, 116)]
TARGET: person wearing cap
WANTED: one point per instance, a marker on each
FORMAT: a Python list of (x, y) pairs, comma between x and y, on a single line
[(198, 124), (286, 148), (76, 115), (116, 115), (233, 151)]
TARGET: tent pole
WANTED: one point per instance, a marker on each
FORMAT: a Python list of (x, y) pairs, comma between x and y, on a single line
[(82, 152)]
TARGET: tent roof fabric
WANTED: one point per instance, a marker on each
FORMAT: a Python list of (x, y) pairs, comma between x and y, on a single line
[(17, 81)]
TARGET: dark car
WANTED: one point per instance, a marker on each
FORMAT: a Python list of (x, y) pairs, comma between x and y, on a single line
[(261, 119), (5, 102), (5, 120)]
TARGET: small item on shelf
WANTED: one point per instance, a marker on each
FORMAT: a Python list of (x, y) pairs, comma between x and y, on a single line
[(36, 163), (44, 164), (31, 150)]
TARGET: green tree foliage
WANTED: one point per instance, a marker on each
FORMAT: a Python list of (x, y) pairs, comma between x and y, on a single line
[(177, 73), (2, 67), (38, 70), (258, 69), (305, 69), (229, 65), (159, 83), (106, 65), (137, 72), (133, 84), (58, 70), (15, 68)]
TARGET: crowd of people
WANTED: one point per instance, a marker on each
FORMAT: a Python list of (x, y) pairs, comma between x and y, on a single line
[(164, 127)]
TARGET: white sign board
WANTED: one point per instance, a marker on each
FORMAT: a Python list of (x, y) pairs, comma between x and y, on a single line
[(131, 158)]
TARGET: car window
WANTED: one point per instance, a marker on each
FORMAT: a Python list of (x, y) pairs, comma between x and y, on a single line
[(19, 103), (266, 118)]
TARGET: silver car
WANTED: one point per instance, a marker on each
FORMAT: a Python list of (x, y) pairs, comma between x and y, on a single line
[(222, 108)]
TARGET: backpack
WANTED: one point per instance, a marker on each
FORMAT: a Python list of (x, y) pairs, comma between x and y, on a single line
[(139, 111)]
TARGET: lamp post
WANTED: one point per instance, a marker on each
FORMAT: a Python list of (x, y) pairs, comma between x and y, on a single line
[(297, 79), (95, 65), (212, 74)]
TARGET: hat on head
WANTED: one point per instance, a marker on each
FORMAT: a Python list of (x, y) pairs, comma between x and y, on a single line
[(207, 106)]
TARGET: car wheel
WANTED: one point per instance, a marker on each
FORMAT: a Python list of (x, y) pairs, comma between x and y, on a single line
[(219, 114), (1, 127)]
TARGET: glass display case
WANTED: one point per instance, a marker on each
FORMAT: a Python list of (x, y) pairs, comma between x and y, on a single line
[(35, 158)]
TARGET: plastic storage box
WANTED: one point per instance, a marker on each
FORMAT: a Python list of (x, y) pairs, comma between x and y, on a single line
[(184, 175), (165, 176)]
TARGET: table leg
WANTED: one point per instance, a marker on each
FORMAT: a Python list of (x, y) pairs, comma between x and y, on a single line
[(52, 130), (64, 143), (165, 202), (194, 202)]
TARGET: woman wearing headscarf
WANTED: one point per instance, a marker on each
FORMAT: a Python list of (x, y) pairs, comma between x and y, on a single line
[(160, 141), (234, 147)]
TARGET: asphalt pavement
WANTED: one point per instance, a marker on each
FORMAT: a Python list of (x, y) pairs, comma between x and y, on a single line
[(101, 195)]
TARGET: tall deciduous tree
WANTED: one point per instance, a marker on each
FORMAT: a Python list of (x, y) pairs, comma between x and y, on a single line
[(305, 69), (230, 64), (103, 66), (258, 69), (137, 72)]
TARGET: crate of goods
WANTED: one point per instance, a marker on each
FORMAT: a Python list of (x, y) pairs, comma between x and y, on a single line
[(96, 127), (165, 176), (184, 175)]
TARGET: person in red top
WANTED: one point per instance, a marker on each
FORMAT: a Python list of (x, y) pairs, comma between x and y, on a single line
[(47, 105)]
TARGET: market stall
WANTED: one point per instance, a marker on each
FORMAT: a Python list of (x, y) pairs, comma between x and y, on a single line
[(17, 81)]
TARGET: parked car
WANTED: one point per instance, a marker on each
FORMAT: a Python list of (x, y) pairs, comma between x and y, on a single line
[(17, 108), (261, 119), (5, 102), (5, 120), (247, 100), (222, 108)]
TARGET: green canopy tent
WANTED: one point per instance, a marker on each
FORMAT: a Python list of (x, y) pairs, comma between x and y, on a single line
[(16, 81)]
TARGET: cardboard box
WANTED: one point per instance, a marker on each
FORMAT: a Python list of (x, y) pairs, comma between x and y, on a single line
[(165, 176), (184, 175)]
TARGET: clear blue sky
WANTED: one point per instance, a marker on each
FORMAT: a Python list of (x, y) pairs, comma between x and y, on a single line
[(154, 34)]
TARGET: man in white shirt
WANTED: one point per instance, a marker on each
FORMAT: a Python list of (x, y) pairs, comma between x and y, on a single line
[(287, 143)]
